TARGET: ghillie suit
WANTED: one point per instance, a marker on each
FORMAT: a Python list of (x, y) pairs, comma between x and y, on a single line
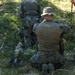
[(29, 13)]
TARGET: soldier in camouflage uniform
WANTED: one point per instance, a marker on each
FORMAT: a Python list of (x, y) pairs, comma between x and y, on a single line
[(48, 34), (29, 13)]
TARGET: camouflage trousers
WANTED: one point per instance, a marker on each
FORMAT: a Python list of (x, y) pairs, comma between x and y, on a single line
[(45, 58), (27, 35)]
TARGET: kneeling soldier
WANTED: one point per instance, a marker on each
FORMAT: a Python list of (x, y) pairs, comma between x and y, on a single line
[(48, 34)]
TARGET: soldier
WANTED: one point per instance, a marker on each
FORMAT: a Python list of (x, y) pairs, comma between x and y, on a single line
[(29, 13), (48, 34)]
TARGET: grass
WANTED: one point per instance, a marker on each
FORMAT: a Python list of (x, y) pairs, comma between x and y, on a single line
[(9, 26)]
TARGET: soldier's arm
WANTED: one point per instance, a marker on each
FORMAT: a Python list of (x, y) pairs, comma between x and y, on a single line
[(35, 27), (65, 28)]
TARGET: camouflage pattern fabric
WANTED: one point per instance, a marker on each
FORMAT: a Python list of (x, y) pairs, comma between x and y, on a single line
[(28, 5), (29, 13), (48, 35), (27, 36), (44, 57)]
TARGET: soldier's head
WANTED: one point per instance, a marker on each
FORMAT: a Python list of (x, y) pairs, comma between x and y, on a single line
[(47, 13)]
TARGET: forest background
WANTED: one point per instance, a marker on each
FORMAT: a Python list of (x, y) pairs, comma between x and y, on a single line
[(10, 24)]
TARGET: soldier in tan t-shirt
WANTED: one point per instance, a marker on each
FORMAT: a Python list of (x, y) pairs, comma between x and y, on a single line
[(48, 34)]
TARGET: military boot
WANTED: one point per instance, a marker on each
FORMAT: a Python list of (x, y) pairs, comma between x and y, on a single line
[(44, 69), (50, 69)]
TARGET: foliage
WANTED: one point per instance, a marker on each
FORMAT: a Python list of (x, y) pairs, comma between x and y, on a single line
[(10, 24)]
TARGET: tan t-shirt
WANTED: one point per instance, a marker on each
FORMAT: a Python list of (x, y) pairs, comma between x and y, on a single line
[(48, 35)]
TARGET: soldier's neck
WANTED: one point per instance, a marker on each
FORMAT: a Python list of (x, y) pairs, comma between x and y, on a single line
[(48, 20)]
